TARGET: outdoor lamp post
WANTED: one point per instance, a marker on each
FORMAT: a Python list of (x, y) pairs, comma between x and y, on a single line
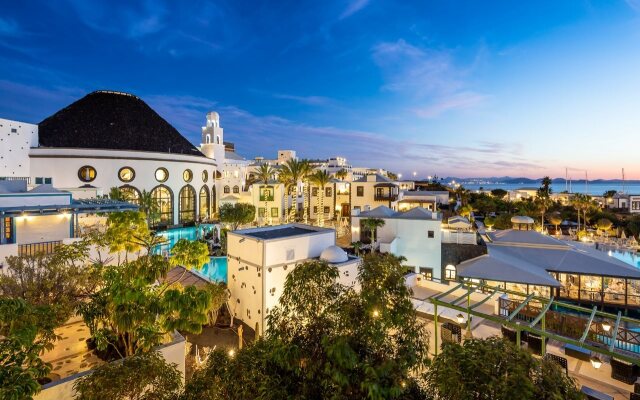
[(596, 362)]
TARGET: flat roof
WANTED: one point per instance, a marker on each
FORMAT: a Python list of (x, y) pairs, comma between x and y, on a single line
[(280, 231)]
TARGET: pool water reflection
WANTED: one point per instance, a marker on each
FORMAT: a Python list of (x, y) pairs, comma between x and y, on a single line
[(626, 256), (215, 270)]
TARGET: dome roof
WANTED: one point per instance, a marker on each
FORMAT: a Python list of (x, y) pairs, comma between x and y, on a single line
[(113, 121), (213, 116), (334, 255), (521, 219)]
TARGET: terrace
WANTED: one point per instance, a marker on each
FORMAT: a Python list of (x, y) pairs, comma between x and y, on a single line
[(578, 338)]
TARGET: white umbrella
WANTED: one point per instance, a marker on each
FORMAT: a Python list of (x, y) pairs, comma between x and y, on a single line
[(623, 236)]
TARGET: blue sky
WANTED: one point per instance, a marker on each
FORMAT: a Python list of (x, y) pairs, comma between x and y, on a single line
[(463, 88)]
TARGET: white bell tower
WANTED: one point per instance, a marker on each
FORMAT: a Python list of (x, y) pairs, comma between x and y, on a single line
[(212, 144)]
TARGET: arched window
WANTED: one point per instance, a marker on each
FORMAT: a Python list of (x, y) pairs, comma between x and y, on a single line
[(163, 198), (236, 189), (162, 174), (227, 189), (204, 203), (208, 139), (87, 173), (126, 174), (450, 272), (218, 139), (205, 176), (131, 194), (187, 205)]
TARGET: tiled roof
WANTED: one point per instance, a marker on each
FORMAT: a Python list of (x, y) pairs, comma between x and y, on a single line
[(114, 121)]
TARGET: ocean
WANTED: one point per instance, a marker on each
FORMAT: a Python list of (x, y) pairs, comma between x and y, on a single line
[(593, 188)]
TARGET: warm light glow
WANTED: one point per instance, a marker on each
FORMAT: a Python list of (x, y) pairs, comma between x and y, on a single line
[(232, 353), (460, 318), (596, 362), (606, 326), (375, 313)]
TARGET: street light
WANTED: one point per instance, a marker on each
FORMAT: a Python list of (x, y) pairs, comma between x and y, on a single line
[(596, 362)]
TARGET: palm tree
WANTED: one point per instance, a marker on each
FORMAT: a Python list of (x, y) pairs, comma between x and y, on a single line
[(295, 170), (148, 206), (555, 219), (306, 173), (372, 225), (341, 174), (466, 211), (320, 179), (286, 180), (543, 198), (264, 175), (116, 194), (604, 225), (582, 203)]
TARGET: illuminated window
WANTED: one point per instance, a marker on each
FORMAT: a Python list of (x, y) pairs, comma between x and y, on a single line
[(274, 212), (87, 173), (162, 174), (126, 174), (130, 194), (187, 205), (204, 202), (450, 272), (163, 198), (187, 175)]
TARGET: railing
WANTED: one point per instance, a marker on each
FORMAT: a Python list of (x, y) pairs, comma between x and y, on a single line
[(16, 178), (32, 249), (385, 197), (572, 325)]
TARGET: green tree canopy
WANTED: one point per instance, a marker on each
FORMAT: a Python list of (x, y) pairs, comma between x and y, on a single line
[(26, 331), (499, 193), (495, 369), (140, 377), (59, 280), (237, 214), (325, 340)]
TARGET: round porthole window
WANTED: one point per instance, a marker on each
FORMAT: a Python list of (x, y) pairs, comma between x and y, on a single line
[(187, 175), (87, 173), (126, 174), (162, 174)]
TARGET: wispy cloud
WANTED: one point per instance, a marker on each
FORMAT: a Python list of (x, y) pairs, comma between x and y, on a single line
[(634, 4), (353, 7), (425, 75), (8, 27), (152, 25), (462, 100), (307, 100)]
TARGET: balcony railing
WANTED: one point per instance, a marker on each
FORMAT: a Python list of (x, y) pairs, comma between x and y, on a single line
[(16, 178), (385, 197), (32, 249)]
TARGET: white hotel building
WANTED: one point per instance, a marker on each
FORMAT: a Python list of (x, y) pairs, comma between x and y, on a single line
[(112, 139)]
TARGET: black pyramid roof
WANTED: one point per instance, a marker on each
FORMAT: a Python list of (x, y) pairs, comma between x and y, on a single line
[(114, 121)]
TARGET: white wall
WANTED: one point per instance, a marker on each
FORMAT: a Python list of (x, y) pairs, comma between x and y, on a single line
[(304, 247), (173, 353), (42, 228), (15, 140), (63, 164), (34, 199)]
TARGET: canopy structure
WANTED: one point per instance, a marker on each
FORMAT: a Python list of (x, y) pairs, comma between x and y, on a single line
[(600, 332), (458, 222)]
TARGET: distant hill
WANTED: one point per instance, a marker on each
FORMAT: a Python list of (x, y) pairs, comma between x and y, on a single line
[(527, 181)]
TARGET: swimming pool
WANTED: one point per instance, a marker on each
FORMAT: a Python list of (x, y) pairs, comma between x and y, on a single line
[(215, 270), (628, 257)]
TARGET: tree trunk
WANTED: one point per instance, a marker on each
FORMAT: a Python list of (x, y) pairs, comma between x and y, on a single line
[(321, 208), (305, 202)]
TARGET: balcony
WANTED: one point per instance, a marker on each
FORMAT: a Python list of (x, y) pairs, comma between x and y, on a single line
[(44, 248), (385, 197)]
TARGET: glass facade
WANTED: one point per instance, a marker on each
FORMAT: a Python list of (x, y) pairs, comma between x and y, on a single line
[(163, 198), (187, 205)]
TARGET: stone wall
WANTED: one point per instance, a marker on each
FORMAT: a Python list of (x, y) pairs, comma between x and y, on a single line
[(454, 254)]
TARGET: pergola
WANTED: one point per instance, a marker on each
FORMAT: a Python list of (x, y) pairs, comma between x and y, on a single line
[(538, 325)]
